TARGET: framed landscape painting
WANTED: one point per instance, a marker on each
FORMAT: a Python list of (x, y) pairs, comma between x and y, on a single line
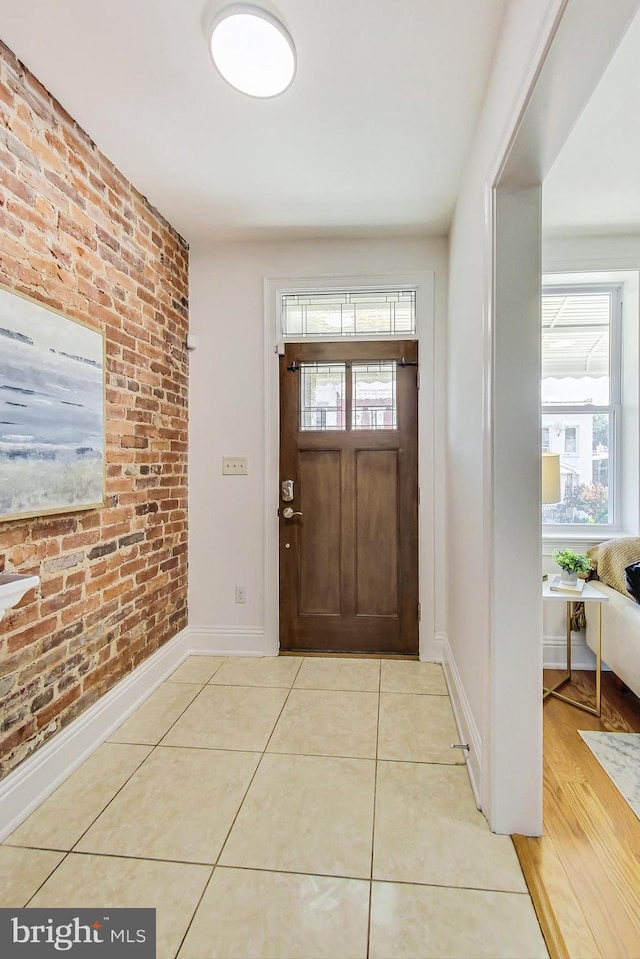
[(52, 447)]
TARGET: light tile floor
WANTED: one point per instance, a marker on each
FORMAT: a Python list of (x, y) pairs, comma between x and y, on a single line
[(289, 808)]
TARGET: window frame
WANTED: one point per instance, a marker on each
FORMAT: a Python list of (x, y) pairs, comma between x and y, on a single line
[(596, 531)]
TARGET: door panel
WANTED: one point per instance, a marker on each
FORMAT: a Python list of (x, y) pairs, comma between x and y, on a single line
[(319, 547), (349, 563), (376, 524)]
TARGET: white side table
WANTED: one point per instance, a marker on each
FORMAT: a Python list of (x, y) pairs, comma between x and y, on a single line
[(588, 595)]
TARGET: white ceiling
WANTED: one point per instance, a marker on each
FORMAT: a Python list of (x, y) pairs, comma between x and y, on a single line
[(594, 185), (371, 138)]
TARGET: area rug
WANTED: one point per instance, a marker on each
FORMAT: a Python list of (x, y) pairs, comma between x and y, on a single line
[(619, 756)]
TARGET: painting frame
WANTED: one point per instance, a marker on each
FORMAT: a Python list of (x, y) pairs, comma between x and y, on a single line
[(52, 410)]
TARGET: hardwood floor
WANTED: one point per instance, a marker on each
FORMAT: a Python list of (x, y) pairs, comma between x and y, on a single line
[(584, 873)]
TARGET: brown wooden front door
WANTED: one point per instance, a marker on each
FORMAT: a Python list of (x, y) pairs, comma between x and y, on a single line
[(349, 443)]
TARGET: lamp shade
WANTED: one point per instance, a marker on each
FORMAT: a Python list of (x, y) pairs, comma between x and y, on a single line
[(551, 478)]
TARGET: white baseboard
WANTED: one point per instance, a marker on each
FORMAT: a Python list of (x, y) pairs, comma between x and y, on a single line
[(555, 654), (36, 778), (23, 790), (433, 649), (226, 641), (467, 728)]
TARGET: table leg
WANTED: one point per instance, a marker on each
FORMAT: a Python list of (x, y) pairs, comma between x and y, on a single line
[(594, 710), (599, 662)]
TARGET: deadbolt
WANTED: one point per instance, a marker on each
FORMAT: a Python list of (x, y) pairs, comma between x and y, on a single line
[(287, 491)]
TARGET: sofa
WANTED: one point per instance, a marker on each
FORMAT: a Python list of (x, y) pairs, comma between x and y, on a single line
[(621, 615)]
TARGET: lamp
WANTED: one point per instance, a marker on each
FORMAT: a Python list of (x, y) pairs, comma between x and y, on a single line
[(550, 478), (252, 50)]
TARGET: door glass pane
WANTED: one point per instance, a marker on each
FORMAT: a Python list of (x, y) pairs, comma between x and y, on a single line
[(374, 396), (322, 396), (583, 441)]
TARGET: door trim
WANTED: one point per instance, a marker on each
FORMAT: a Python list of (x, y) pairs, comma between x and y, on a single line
[(424, 285)]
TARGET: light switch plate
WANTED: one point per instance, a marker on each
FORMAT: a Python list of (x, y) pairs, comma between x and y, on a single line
[(235, 465)]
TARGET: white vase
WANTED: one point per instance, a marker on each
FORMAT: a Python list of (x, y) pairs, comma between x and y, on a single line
[(568, 578)]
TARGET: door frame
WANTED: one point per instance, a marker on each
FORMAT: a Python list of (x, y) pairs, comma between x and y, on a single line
[(423, 282)]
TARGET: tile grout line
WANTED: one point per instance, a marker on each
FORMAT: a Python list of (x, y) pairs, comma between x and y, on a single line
[(373, 818), (117, 793), (197, 696), (154, 747), (179, 716), (67, 853), (255, 772), (244, 796), (193, 915), (288, 872), (110, 742)]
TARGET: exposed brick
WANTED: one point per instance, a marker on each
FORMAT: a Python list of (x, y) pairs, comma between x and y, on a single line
[(146, 508), (64, 562), (61, 636), (41, 700), (103, 550), (78, 238), (130, 539), (134, 442)]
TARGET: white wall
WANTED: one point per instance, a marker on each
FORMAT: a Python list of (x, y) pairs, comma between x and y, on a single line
[(469, 467), (226, 403), (550, 57)]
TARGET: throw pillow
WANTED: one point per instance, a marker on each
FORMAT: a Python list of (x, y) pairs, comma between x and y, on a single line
[(613, 558), (632, 573)]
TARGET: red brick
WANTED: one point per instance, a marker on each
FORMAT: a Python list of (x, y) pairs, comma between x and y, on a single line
[(79, 238)]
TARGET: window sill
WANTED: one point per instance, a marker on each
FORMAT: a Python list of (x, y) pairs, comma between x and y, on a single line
[(570, 539)]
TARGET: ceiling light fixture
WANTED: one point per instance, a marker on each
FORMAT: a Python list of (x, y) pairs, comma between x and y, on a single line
[(252, 50)]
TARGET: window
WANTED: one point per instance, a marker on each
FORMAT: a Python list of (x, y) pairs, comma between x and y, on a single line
[(341, 313), (581, 397), (374, 396), (571, 440), (545, 439), (323, 396)]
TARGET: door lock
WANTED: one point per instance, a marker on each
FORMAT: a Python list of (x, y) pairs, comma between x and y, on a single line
[(286, 491)]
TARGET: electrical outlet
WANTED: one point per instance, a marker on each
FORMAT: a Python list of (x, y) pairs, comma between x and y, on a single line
[(241, 594), (235, 465)]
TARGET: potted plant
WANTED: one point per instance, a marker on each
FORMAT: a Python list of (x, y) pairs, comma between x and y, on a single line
[(571, 564)]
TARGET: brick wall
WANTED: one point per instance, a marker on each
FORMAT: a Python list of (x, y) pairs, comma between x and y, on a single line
[(77, 236)]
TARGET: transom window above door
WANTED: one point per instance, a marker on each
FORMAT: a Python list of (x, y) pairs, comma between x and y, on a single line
[(348, 396), (344, 313)]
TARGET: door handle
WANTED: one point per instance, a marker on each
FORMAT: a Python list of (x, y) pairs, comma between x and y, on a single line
[(288, 513)]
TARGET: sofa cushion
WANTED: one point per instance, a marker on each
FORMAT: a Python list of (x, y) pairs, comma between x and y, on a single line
[(632, 574), (611, 559)]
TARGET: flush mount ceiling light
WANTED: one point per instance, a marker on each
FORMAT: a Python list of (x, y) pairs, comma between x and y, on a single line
[(252, 50)]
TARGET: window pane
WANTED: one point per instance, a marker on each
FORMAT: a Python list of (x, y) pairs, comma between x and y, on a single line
[(349, 314), (583, 441), (576, 347), (322, 396), (374, 396)]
